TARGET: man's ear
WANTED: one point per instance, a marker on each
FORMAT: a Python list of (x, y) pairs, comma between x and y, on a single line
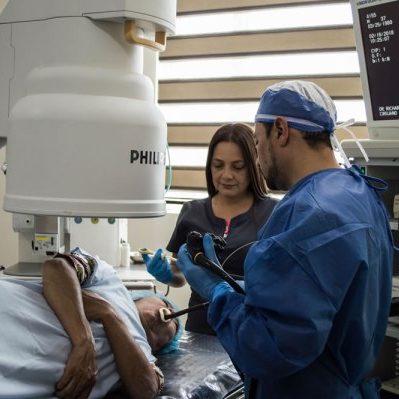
[(282, 130)]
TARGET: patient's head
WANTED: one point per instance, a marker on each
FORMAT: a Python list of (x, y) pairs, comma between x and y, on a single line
[(159, 333)]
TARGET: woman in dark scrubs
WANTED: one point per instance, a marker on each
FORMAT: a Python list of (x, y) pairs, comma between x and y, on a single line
[(236, 208)]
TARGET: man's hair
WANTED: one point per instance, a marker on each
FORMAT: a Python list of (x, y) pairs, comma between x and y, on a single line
[(268, 128), (313, 139), (318, 139), (242, 135)]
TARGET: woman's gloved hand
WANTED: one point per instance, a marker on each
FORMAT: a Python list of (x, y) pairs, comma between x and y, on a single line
[(159, 266)]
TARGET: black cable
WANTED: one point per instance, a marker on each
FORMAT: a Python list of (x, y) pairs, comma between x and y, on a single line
[(394, 310), (201, 260), (196, 251), (185, 311)]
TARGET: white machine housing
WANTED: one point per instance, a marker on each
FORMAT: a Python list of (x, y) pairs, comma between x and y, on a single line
[(85, 139), (84, 135)]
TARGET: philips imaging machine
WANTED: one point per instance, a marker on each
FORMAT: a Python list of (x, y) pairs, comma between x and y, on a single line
[(85, 139), (376, 27)]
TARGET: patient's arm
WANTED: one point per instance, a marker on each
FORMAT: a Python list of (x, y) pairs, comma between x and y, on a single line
[(62, 291), (138, 375)]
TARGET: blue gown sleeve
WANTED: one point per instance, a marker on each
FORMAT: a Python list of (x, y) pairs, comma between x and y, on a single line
[(295, 283)]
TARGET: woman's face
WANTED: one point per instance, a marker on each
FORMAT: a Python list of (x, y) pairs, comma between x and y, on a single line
[(229, 170), (158, 332)]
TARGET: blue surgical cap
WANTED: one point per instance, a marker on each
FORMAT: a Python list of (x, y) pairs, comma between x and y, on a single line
[(175, 342), (306, 106)]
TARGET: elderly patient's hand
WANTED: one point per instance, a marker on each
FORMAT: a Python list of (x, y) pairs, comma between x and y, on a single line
[(80, 371)]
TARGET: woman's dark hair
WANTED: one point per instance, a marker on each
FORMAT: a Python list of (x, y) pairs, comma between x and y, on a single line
[(242, 135)]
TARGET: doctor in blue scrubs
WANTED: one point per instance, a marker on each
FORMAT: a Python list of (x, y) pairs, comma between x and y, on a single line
[(318, 280)]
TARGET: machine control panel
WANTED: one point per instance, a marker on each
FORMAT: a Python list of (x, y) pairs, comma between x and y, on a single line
[(46, 244), (379, 25)]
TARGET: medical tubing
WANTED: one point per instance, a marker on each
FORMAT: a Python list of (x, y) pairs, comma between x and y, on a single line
[(201, 260), (345, 126), (337, 147), (232, 253), (169, 168), (185, 311)]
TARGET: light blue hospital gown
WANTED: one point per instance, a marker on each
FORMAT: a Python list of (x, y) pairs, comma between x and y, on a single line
[(34, 346)]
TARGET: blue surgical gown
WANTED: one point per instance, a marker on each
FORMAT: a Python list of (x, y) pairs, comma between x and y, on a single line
[(318, 292), (34, 346)]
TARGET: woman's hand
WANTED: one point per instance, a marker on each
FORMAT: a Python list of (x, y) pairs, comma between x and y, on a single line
[(95, 307), (159, 266)]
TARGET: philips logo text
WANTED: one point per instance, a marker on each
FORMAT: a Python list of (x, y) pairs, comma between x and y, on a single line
[(147, 157)]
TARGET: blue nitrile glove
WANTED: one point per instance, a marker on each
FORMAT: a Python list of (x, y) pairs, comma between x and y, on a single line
[(209, 250), (201, 280), (159, 266)]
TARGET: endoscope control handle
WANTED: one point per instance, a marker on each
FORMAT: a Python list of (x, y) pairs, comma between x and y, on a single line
[(194, 243), (196, 251)]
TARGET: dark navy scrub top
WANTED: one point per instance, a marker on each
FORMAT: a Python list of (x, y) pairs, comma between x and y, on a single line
[(197, 215)]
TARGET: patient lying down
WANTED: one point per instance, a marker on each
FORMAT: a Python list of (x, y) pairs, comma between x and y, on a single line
[(78, 334)]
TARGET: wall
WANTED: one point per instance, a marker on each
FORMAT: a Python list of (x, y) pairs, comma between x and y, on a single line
[(8, 239)]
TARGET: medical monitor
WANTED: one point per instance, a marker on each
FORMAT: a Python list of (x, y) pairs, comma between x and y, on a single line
[(376, 27)]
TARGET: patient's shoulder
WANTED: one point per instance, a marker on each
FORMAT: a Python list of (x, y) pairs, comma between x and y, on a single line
[(101, 273)]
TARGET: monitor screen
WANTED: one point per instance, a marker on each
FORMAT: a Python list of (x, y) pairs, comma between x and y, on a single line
[(379, 25)]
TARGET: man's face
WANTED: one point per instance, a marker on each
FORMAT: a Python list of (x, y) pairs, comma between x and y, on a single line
[(158, 332), (267, 158)]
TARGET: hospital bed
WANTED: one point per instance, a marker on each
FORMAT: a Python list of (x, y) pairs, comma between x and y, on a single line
[(200, 369)]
